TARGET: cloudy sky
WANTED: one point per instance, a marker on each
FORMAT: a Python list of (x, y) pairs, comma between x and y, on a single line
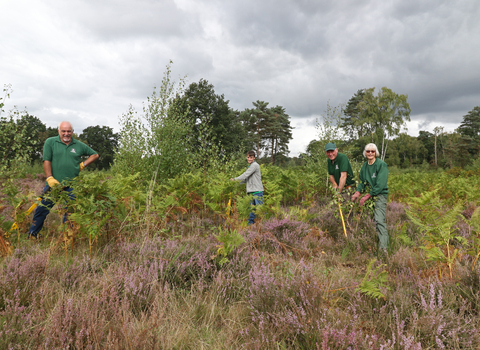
[(87, 60)]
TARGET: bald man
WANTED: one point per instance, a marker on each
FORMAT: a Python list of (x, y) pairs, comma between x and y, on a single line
[(62, 161)]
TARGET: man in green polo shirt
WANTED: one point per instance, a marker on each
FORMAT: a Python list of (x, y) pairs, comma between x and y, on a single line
[(339, 169), (61, 162)]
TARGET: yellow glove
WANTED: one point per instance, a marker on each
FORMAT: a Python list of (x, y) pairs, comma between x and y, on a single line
[(82, 166), (52, 182)]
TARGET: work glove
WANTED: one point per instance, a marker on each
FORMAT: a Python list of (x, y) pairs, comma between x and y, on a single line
[(52, 182), (364, 199), (82, 166), (355, 196)]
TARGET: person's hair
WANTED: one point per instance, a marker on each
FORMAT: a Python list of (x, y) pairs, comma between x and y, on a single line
[(64, 122), (369, 147), (251, 154)]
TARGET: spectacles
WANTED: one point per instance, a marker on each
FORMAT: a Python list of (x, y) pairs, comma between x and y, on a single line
[(369, 151)]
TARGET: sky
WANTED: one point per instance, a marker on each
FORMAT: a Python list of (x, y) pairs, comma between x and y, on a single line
[(87, 61)]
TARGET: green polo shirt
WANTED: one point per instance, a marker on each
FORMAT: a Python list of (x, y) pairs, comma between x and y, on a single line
[(341, 164), (65, 159), (375, 175)]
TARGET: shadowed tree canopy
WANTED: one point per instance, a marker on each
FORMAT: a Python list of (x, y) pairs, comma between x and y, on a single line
[(203, 108), (469, 130), (406, 150), (253, 121), (456, 150), (428, 141), (268, 129), (314, 147), (278, 133), (104, 141), (351, 113), (470, 125), (48, 132)]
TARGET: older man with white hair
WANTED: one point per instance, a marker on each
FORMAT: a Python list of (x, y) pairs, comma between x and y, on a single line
[(62, 161)]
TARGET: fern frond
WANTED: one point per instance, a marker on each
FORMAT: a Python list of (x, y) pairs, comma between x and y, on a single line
[(373, 280)]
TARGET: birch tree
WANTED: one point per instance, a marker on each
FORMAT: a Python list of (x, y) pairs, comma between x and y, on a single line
[(385, 115)]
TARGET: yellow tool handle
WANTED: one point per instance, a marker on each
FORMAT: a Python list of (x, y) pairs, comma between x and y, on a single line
[(343, 221), (32, 208)]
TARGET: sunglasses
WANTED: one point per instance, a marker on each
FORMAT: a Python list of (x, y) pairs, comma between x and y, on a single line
[(369, 151)]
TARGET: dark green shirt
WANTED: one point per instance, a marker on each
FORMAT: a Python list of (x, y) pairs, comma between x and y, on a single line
[(341, 164), (65, 159), (376, 175)]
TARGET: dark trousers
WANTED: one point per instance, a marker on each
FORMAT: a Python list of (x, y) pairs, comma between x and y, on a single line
[(43, 209)]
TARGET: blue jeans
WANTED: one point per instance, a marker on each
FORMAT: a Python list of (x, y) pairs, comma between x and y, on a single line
[(43, 209), (257, 199)]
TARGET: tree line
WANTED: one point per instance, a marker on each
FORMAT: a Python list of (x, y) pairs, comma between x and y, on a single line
[(183, 127), (381, 119), (193, 122)]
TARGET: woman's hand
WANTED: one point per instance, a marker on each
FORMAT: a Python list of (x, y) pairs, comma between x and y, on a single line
[(355, 196), (364, 199)]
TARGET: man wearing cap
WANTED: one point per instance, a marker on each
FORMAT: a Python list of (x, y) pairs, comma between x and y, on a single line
[(339, 168)]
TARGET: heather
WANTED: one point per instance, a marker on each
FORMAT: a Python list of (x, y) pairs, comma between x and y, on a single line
[(164, 267)]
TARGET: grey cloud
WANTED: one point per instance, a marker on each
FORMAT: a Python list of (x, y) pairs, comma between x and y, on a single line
[(296, 26), (424, 124), (120, 19), (401, 46)]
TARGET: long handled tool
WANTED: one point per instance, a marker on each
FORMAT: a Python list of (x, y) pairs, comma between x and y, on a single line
[(343, 221), (229, 206), (29, 210)]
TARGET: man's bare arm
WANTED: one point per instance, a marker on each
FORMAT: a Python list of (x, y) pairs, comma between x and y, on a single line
[(91, 159), (343, 180), (47, 168), (332, 180)]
